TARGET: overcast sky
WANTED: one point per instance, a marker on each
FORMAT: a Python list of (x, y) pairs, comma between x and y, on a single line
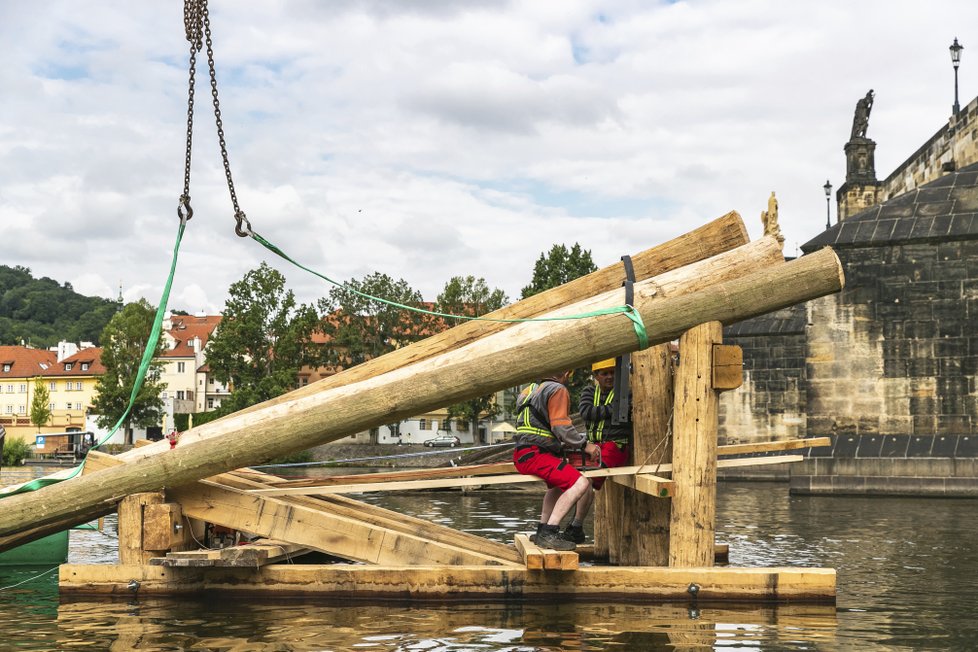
[(427, 139)]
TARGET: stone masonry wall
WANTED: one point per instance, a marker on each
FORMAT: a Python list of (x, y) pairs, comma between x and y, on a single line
[(770, 405)]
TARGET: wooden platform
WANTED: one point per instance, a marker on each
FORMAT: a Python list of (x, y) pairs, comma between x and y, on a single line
[(469, 583)]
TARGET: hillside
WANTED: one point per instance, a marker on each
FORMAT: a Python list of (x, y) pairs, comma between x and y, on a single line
[(40, 312)]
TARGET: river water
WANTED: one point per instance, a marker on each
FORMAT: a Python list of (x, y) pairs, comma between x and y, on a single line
[(907, 580)]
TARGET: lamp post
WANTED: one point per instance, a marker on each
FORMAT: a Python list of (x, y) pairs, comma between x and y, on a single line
[(955, 61), (828, 194)]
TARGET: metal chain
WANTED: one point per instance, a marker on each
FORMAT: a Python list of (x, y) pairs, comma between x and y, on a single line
[(191, 25), (197, 23)]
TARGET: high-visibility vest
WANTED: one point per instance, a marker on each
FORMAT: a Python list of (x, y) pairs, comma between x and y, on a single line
[(531, 419)]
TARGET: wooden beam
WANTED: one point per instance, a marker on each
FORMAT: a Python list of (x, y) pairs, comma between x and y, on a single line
[(442, 483), (692, 525), (537, 558), (412, 474), (131, 548), (768, 446), (651, 485), (337, 535), (525, 350), (250, 555), (461, 583), (378, 516)]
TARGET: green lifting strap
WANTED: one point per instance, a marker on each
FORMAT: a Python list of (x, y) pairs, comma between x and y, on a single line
[(627, 310), (147, 359)]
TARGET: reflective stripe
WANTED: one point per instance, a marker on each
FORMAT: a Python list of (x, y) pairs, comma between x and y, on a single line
[(523, 423), (596, 430)]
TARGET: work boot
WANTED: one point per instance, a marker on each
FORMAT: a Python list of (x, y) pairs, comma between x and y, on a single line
[(574, 533), (533, 537), (550, 538)]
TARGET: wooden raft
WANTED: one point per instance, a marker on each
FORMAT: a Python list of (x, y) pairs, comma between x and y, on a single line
[(687, 283)]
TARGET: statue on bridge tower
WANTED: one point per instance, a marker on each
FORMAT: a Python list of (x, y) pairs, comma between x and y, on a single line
[(860, 121)]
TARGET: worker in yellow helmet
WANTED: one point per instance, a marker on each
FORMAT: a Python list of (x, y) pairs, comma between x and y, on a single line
[(597, 406)]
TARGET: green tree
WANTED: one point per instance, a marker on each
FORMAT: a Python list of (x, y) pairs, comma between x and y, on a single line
[(553, 269), (264, 338), (471, 297), (362, 328), (124, 340), (559, 266), (40, 404)]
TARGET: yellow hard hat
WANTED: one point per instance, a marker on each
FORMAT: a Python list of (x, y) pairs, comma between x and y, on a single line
[(603, 364)]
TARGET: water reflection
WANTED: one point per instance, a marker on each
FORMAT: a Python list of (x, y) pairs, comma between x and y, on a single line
[(241, 625), (906, 570)]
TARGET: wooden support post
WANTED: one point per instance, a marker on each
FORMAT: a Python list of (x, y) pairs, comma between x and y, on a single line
[(641, 522), (131, 551), (694, 449)]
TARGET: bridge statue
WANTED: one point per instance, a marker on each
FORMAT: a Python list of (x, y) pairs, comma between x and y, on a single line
[(860, 121)]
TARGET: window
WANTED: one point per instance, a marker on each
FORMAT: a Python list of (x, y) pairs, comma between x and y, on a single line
[(51, 406), (68, 405), (78, 406), (179, 394), (21, 409), (67, 385), (462, 426), (210, 404), (424, 424), (84, 366), (78, 386), (190, 394), (6, 366), (10, 389), (23, 388), (53, 386), (181, 367), (69, 365), (165, 395), (10, 409)]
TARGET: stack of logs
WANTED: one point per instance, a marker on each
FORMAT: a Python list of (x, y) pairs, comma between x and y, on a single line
[(687, 288)]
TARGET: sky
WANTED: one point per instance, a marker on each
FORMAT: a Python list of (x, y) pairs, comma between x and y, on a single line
[(427, 139)]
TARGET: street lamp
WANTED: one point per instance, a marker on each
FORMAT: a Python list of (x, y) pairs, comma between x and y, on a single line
[(828, 194), (955, 61)]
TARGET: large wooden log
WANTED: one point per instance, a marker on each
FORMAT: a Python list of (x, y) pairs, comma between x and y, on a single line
[(523, 351)]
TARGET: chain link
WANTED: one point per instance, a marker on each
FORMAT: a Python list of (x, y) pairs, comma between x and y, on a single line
[(197, 25)]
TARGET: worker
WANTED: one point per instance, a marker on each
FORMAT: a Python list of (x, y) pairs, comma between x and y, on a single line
[(597, 405), (544, 435)]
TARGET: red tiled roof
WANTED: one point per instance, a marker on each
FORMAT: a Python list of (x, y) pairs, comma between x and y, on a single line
[(185, 329), (92, 356), (25, 362)]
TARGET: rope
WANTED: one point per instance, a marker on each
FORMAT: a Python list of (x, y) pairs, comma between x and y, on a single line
[(629, 311), (30, 579)]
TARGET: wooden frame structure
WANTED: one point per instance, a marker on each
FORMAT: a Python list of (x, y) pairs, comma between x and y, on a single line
[(654, 525)]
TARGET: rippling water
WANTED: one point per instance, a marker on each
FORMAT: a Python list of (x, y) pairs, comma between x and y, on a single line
[(907, 580)]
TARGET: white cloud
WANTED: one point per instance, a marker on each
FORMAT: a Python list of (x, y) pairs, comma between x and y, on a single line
[(430, 139)]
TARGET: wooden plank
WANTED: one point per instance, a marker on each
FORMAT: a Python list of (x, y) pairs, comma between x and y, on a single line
[(163, 527), (692, 525), (537, 558), (495, 362), (460, 583), (728, 367), (648, 484), (442, 483), (767, 446), (337, 535)]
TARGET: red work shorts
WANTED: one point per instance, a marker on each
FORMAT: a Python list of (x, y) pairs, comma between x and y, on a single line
[(612, 455), (555, 471)]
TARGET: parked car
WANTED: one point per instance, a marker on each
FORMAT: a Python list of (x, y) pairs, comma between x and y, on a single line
[(449, 441)]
